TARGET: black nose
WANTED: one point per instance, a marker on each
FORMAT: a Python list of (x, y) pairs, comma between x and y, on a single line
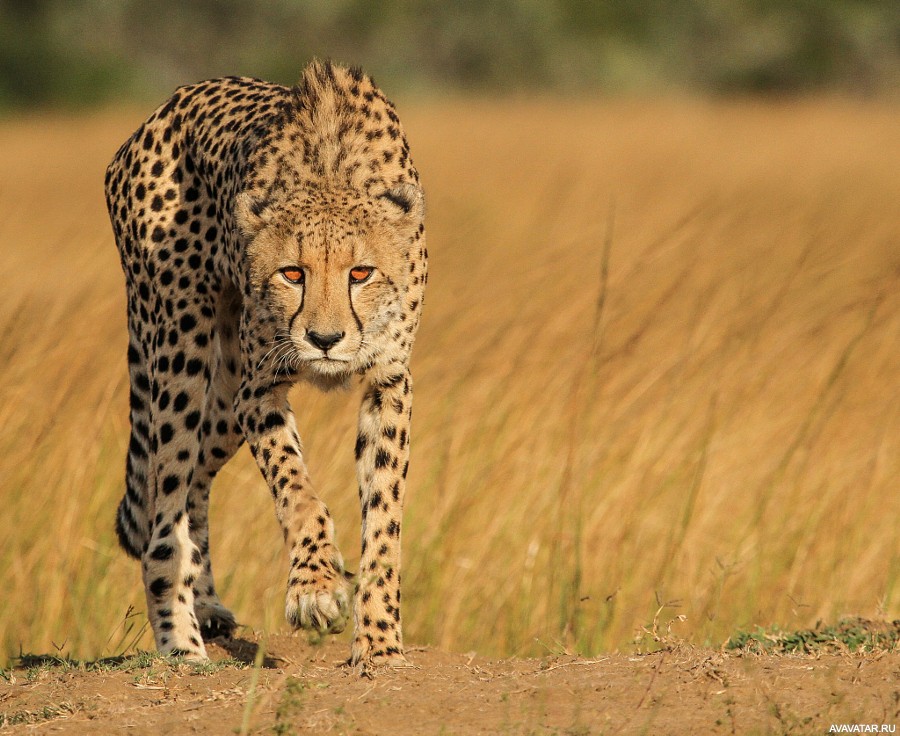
[(324, 342)]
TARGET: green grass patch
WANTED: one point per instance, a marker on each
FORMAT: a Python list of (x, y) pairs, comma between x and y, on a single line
[(34, 664), (848, 634)]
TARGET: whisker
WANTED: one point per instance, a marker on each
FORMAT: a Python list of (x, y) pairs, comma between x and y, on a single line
[(280, 342)]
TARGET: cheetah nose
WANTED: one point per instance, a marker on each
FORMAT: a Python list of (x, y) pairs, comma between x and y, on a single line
[(324, 342)]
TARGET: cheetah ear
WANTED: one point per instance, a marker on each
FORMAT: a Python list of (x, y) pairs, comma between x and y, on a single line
[(404, 201), (251, 215)]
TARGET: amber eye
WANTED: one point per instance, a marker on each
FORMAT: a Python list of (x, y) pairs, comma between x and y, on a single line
[(293, 274), (358, 274)]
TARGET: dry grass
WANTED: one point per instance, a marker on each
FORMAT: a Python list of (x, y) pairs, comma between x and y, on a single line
[(659, 365)]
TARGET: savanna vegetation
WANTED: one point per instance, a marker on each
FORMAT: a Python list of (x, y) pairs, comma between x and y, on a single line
[(656, 383)]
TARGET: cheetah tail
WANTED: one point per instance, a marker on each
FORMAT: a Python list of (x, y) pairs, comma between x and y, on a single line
[(130, 530)]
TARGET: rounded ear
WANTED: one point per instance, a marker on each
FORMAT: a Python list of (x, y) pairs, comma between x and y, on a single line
[(250, 215), (403, 201)]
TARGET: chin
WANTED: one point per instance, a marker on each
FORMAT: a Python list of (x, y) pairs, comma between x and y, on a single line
[(328, 375)]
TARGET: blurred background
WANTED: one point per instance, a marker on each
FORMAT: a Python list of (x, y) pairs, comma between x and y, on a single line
[(657, 374), (77, 52)]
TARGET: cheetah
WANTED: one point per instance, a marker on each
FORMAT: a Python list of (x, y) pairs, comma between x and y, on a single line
[(268, 235)]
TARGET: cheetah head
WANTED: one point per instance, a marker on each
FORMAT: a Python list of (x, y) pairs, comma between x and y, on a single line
[(334, 270)]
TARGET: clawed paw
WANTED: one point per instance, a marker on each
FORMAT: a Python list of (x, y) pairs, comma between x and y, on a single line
[(215, 621), (323, 608), (188, 652), (366, 658)]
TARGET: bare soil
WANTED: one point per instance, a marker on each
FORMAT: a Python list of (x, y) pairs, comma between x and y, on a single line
[(304, 689)]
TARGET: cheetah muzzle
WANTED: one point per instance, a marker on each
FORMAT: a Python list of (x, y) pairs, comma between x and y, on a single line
[(268, 235)]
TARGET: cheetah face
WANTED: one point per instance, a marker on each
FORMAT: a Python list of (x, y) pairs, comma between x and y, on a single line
[(332, 271)]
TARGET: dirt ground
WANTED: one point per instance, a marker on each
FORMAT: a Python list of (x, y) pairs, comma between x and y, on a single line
[(304, 689)]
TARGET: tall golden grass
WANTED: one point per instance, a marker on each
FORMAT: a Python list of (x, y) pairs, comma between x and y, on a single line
[(658, 366)]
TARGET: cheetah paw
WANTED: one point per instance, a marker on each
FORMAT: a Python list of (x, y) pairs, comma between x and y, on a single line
[(189, 652), (366, 661), (321, 610), (215, 621)]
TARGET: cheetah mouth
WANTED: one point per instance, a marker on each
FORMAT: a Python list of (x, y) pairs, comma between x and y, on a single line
[(328, 365), (329, 373)]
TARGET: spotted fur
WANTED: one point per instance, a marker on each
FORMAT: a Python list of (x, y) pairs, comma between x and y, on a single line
[(217, 201)]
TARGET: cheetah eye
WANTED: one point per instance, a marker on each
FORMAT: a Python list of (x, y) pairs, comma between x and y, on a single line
[(359, 274), (293, 274)]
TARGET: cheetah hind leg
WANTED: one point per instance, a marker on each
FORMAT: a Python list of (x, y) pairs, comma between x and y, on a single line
[(215, 619)]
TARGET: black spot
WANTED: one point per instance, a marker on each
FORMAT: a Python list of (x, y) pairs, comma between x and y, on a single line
[(178, 363), (187, 323), (170, 483), (192, 420), (135, 401), (361, 443), (181, 401), (162, 552), (163, 400), (135, 448), (142, 382), (166, 433), (273, 419), (159, 587)]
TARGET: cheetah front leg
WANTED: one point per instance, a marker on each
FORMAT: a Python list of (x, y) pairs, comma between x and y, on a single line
[(382, 452), (318, 593)]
